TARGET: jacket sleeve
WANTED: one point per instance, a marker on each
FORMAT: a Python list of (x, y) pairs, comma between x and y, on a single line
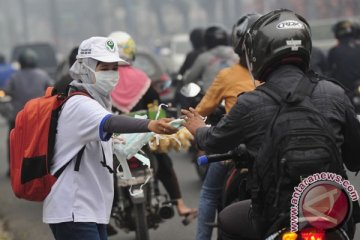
[(213, 96), (186, 65), (195, 72), (331, 66), (351, 145), (9, 86), (227, 134)]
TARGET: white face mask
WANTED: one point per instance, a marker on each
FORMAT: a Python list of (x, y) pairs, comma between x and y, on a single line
[(106, 81)]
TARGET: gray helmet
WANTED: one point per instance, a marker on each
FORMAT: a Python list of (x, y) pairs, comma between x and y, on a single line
[(278, 38), (28, 58)]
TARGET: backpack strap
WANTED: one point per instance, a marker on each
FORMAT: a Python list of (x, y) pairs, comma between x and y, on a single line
[(77, 164), (103, 162), (78, 161), (305, 87), (78, 158), (270, 92)]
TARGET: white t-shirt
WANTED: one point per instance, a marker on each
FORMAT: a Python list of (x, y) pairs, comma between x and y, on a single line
[(86, 195)]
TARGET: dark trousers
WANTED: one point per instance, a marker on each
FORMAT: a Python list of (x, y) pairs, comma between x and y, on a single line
[(166, 174), (237, 222), (79, 231)]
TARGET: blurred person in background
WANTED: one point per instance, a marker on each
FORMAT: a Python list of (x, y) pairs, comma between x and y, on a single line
[(318, 61), (197, 42), (217, 56), (227, 86), (62, 84), (6, 70), (27, 83), (134, 92), (356, 29), (343, 59)]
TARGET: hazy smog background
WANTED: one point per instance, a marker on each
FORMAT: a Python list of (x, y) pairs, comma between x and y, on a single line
[(65, 23)]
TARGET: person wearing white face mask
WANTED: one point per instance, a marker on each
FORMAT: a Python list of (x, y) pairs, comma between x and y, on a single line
[(79, 204)]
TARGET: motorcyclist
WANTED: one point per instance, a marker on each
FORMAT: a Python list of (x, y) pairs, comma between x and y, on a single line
[(356, 30), (27, 83), (197, 42), (62, 84), (134, 92), (274, 60), (6, 70), (343, 59), (217, 56), (318, 61), (228, 84)]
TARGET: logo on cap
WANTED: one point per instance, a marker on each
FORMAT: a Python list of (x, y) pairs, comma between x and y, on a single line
[(110, 45)]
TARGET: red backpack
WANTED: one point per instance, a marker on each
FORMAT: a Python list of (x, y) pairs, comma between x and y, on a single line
[(32, 143)]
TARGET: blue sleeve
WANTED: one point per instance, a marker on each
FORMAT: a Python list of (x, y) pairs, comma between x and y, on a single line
[(104, 136)]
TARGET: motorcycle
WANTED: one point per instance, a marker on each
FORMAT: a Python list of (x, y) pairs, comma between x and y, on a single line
[(190, 95), (6, 109), (279, 230), (140, 205)]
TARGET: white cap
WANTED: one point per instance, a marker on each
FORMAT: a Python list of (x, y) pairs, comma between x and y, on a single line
[(99, 48)]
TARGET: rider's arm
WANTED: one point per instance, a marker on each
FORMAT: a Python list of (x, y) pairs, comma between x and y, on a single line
[(9, 86), (195, 72), (227, 133), (350, 147), (213, 96), (187, 64), (331, 63)]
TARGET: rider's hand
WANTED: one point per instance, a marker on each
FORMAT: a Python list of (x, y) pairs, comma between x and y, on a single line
[(162, 126), (193, 120)]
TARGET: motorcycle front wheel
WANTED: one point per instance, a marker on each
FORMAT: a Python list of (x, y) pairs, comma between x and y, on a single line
[(142, 232)]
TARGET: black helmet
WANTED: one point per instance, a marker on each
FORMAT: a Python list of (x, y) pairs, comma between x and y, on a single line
[(215, 36), (72, 56), (197, 38), (356, 29), (28, 58), (279, 37), (238, 32), (343, 29)]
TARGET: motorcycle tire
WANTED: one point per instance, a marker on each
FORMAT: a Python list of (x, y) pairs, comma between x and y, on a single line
[(142, 232)]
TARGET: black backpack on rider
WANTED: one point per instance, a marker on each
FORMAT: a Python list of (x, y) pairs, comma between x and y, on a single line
[(299, 142)]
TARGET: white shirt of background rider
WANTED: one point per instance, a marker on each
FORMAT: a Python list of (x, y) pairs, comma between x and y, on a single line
[(87, 195)]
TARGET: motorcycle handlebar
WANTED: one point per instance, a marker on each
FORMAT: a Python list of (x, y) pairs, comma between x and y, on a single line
[(211, 158), (206, 159)]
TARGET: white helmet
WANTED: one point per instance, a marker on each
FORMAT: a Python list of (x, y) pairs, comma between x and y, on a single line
[(126, 45)]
